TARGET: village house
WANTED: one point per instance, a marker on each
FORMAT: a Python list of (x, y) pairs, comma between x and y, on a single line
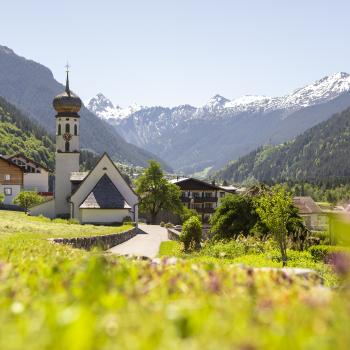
[(314, 217), (100, 196), (19, 173), (201, 196)]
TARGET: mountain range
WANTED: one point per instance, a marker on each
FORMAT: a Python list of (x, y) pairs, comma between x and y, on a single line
[(320, 155), (193, 139), (31, 87)]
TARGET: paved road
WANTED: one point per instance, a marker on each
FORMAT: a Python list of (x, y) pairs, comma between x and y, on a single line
[(143, 244)]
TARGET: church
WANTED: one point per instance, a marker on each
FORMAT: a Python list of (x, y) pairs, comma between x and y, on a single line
[(99, 196)]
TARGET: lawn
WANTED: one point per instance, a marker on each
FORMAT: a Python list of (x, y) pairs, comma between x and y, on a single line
[(56, 297), (16, 222)]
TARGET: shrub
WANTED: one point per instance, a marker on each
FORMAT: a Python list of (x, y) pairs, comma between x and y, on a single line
[(169, 225), (322, 236), (2, 197), (162, 224), (73, 222), (191, 233), (27, 199), (127, 220), (236, 215), (321, 252), (187, 214)]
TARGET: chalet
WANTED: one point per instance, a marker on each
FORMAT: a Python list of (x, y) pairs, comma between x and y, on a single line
[(11, 179), (314, 217), (35, 176), (19, 173), (200, 196)]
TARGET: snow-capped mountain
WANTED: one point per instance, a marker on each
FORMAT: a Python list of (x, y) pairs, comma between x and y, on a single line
[(193, 138), (104, 108)]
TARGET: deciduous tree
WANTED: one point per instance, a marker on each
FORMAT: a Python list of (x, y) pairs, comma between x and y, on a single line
[(156, 192)]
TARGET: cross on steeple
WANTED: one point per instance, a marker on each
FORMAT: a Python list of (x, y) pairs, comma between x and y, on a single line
[(67, 79)]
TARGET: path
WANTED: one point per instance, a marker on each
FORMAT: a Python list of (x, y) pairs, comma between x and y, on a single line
[(143, 244)]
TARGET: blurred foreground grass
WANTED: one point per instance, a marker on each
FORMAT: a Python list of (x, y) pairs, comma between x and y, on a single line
[(55, 297)]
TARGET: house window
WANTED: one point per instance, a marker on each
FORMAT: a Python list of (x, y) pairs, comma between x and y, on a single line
[(66, 146), (75, 129), (7, 177), (208, 205), (222, 194), (67, 128), (196, 194), (207, 194), (59, 131), (8, 191)]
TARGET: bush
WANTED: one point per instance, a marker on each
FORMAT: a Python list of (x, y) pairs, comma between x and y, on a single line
[(73, 222), (321, 252), (323, 237), (235, 216), (191, 233), (169, 225), (162, 224), (127, 220), (27, 199), (187, 214)]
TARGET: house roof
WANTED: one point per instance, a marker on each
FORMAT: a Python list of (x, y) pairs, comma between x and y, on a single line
[(28, 160), (78, 175), (306, 205), (10, 163), (104, 196), (189, 183)]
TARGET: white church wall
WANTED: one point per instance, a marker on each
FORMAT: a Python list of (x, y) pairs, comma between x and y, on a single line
[(104, 166), (107, 216), (46, 209)]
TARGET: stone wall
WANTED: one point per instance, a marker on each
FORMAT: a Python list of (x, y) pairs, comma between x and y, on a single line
[(173, 235), (104, 242)]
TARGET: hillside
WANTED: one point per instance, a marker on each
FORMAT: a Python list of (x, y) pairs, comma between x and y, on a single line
[(207, 137), (319, 155), (31, 87), (34, 142)]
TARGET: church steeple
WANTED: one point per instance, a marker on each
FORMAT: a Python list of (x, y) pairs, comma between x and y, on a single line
[(67, 105), (67, 80)]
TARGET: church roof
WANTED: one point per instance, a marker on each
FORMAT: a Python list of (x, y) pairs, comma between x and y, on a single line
[(78, 175), (104, 196)]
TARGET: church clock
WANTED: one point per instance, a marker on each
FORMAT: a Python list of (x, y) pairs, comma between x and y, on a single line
[(67, 136)]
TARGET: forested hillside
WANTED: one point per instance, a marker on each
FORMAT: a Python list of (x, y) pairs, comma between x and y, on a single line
[(19, 134), (320, 155), (31, 87)]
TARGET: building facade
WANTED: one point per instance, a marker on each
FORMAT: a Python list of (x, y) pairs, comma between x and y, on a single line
[(11, 180), (201, 196)]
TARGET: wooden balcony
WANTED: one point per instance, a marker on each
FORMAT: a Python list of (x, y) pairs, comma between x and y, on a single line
[(199, 199), (204, 210)]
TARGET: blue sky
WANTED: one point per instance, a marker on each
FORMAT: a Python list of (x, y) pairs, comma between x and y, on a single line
[(170, 52)]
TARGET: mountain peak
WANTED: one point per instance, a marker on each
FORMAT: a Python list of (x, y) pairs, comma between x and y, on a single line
[(6, 50), (217, 101)]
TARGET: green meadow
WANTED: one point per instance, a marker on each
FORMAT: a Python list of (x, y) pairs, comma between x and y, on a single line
[(56, 297)]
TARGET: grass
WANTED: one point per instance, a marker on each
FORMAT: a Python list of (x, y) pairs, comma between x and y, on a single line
[(250, 254), (15, 222), (55, 297)]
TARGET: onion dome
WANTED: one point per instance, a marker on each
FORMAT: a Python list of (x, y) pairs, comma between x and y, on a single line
[(67, 101)]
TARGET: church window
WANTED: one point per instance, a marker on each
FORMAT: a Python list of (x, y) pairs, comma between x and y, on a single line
[(59, 129), (75, 129), (67, 127), (66, 146)]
